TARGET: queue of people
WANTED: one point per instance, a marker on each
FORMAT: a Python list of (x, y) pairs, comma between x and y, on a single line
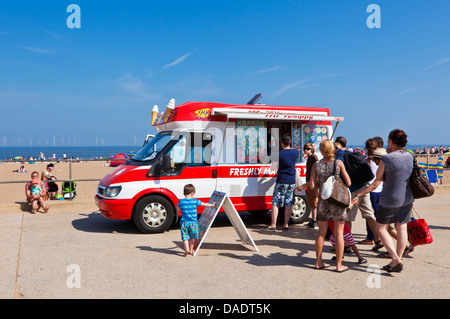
[(384, 202)]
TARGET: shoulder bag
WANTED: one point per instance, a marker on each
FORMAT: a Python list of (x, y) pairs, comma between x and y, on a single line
[(420, 186), (335, 191)]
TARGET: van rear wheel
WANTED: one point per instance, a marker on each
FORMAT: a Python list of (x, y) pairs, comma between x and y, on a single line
[(153, 214)]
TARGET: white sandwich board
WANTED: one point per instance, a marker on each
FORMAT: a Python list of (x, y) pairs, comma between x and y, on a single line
[(219, 200)]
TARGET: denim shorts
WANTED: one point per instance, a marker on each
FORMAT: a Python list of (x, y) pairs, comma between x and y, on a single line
[(283, 195), (189, 230)]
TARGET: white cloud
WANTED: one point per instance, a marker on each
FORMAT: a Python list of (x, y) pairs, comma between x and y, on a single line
[(136, 86), (442, 61), (289, 86), (179, 60), (38, 50), (268, 70), (403, 92)]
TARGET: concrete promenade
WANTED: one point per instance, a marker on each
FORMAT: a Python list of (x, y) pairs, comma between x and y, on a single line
[(74, 252)]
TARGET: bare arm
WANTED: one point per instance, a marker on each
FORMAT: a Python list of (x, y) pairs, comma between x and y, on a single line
[(312, 181), (344, 173), (374, 185), (28, 190)]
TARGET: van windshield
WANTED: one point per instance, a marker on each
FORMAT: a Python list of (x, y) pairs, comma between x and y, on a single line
[(156, 144)]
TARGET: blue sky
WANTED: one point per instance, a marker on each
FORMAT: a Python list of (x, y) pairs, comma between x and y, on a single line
[(100, 82)]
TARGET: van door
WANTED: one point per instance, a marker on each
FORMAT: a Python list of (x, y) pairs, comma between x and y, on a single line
[(190, 163)]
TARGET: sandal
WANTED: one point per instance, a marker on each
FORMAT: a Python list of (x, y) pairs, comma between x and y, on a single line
[(377, 246), (362, 261), (269, 229), (396, 268), (408, 250)]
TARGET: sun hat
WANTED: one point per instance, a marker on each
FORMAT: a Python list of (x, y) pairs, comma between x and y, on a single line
[(379, 152)]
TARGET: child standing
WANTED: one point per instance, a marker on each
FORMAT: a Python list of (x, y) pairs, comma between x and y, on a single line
[(348, 240), (36, 196), (189, 223)]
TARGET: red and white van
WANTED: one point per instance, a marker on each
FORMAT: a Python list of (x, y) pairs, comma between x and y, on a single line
[(213, 146)]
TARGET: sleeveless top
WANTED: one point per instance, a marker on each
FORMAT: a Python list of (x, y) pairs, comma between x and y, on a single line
[(326, 210), (398, 168), (323, 171)]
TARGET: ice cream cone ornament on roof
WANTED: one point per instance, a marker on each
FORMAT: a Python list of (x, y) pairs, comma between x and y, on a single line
[(154, 114), (169, 108)]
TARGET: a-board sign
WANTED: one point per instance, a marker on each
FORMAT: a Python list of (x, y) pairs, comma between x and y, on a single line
[(219, 200)]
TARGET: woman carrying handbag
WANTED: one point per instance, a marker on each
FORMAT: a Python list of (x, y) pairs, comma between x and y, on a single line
[(326, 210), (396, 198)]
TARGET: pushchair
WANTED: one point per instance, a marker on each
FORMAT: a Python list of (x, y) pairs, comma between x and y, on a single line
[(69, 190)]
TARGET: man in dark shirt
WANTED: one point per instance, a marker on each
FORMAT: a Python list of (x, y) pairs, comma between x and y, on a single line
[(283, 194)]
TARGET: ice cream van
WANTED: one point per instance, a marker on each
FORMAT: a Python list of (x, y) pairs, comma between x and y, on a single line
[(214, 146)]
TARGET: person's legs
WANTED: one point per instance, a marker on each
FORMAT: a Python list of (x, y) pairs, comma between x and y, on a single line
[(273, 216), (191, 246), (186, 247), (388, 243), (34, 205), (339, 244), (402, 238), (287, 216), (367, 212), (320, 239), (43, 205)]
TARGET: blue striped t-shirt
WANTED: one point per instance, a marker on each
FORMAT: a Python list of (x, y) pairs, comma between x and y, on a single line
[(188, 207)]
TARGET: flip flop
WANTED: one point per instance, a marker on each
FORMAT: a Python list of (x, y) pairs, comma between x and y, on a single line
[(343, 270), (269, 229), (323, 267)]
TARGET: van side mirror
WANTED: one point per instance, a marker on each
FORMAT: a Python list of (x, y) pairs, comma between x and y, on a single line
[(166, 163)]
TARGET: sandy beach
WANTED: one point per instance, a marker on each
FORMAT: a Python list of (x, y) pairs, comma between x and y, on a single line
[(12, 195)]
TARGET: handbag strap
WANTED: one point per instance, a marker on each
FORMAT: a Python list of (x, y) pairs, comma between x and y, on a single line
[(334, 168), (415, 212)]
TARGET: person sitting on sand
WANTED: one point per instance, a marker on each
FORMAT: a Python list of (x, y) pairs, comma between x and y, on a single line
[(52, 187), (20, 170), (37, 194), (43, 194)]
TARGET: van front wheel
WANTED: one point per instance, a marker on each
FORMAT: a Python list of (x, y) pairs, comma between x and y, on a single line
[(153, 214)]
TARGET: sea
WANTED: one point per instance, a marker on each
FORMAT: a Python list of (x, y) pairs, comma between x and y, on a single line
[(82, 152), (97, 152)]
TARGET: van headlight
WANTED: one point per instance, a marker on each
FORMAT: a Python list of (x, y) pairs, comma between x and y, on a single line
[(112, 191)]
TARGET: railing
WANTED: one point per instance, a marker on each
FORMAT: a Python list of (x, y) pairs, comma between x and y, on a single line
[(69, 161)]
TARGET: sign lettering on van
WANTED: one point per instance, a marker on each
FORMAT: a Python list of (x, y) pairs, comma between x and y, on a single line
[(202, 114), (256, 171), (290, 116)]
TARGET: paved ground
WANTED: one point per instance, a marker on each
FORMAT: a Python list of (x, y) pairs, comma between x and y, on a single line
[(43, 254)]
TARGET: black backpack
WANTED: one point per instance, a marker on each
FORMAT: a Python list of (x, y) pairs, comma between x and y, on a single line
[(357, 168)]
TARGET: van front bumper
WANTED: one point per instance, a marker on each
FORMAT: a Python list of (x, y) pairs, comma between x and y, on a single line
[(115, 208)]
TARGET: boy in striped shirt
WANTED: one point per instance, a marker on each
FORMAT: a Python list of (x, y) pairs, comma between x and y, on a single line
[(189, 223)]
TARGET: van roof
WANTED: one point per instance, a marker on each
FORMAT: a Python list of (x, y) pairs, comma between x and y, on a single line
[(210, 111)]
